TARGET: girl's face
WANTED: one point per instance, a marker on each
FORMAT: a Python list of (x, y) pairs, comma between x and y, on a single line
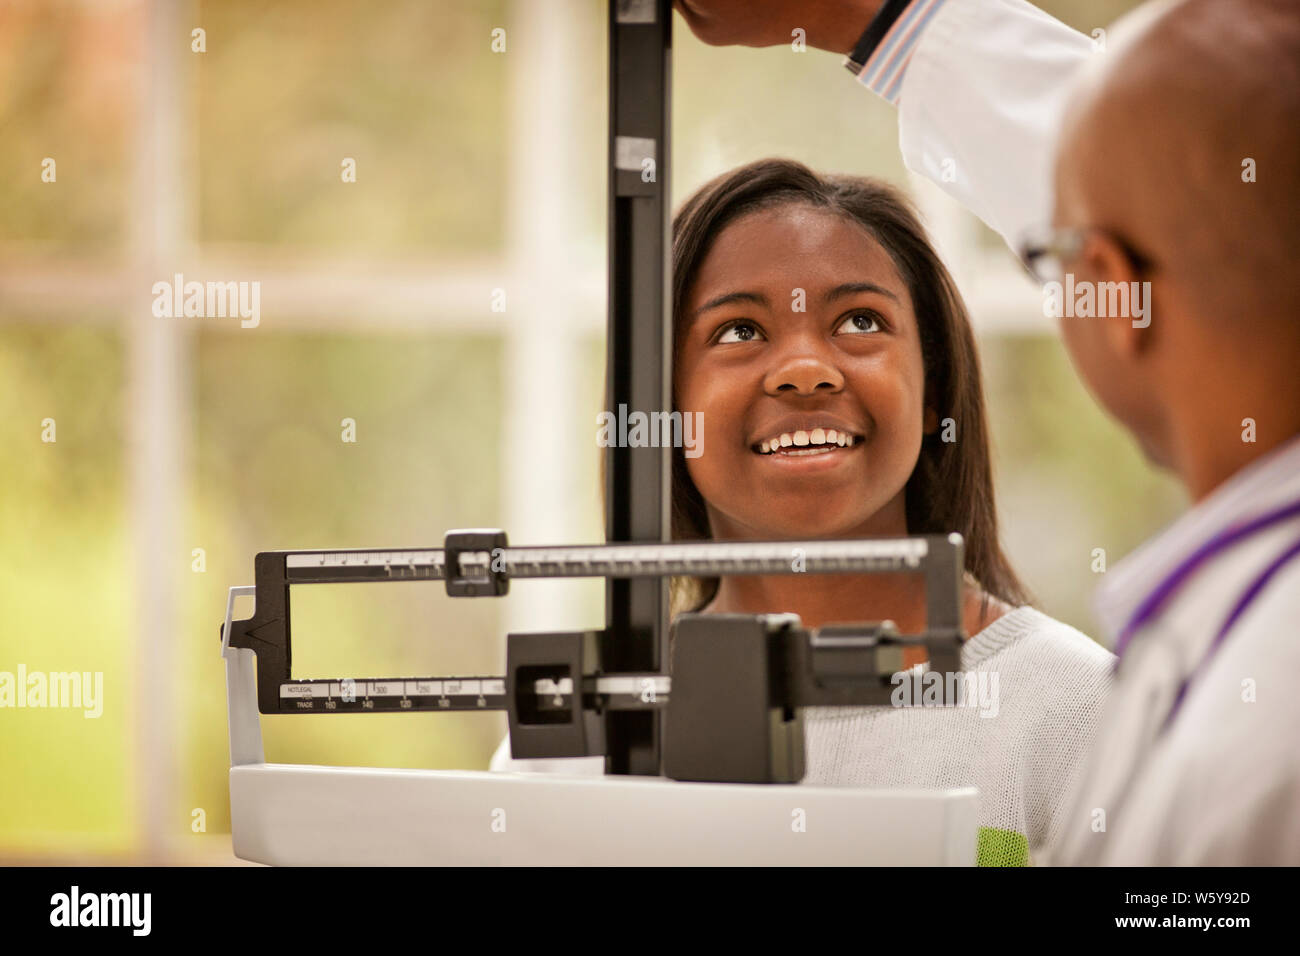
[(797, 324)]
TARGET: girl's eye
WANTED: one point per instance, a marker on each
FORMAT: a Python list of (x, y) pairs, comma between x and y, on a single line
[(738, 332), (866, 321)]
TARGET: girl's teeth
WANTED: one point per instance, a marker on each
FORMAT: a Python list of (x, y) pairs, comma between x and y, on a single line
[(820, 439)]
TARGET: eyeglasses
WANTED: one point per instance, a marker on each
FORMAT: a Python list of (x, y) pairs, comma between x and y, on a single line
[(1045, 252)]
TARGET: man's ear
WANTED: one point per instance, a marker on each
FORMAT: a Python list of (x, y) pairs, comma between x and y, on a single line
[(1104, 261)]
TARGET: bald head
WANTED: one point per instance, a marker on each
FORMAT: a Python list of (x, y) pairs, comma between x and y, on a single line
[(1184, 140)]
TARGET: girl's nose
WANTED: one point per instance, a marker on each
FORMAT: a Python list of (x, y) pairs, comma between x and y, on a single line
[(804, 372)]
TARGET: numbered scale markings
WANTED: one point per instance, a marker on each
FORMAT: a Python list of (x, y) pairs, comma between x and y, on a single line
[(620, 692)]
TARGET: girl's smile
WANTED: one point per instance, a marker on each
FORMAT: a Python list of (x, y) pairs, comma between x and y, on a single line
[(824, 445), (809, 460)]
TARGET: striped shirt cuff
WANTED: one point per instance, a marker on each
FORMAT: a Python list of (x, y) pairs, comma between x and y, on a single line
[(885, 68)]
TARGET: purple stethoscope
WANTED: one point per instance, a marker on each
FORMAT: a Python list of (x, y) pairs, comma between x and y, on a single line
[(1156, 600)]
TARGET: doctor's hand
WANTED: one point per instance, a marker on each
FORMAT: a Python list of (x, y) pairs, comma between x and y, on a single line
[(834, 25)]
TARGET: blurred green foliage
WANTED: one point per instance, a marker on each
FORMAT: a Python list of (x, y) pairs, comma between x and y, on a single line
[(407, 88), (65, 93), (65, 780)]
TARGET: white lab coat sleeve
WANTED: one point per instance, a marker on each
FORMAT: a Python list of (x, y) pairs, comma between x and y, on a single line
[(980, 105)]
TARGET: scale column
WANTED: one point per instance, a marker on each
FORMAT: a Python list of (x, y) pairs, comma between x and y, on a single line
[(639, 343)]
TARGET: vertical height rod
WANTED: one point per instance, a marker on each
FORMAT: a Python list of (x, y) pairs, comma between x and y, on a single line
[(639, 357)]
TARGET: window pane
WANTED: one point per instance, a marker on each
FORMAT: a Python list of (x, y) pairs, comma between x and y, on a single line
[(410, 90), (65, 591), (66, 113)]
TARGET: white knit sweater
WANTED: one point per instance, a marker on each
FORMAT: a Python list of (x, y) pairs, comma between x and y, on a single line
[(1022, 749)]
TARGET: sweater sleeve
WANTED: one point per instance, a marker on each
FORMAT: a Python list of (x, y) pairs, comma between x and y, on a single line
[(1078, 675)]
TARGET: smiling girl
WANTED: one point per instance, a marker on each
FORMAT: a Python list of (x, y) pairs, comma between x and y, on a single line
[(830, 356)]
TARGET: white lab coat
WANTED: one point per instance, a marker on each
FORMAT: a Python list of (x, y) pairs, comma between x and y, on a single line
[(986, 88), (1220, 784)]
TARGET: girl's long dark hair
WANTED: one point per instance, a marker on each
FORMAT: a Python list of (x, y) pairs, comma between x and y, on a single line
[(951, 488)]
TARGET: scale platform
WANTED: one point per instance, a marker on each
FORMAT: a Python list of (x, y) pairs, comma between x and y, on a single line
[(342, 816)]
